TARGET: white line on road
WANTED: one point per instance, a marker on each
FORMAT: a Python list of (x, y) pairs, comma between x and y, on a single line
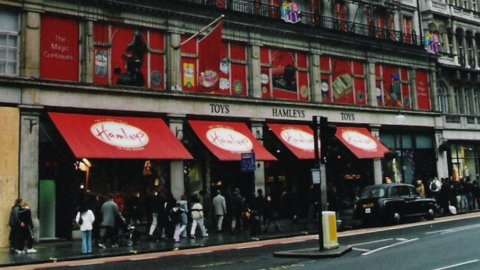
[(457, 229), (361, 249), (455, 265), (372, 242), (389, 246)]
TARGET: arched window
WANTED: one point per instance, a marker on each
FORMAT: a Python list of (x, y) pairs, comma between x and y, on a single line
[(442, 97)]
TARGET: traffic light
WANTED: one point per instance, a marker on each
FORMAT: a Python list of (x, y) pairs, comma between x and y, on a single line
[(327, 133)]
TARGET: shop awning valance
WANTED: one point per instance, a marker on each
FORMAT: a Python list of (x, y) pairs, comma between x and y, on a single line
[(297, 138), (100, 136), (228, 140), (361, 142)]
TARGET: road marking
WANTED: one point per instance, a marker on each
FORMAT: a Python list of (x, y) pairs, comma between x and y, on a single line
[(453, 230), (389, 246), (361, 249), (456, 265), (372, 242)]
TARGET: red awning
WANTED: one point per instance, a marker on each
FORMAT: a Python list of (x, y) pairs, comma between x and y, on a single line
[(298, 139), (361, 142), (228, 140), (99, 136)]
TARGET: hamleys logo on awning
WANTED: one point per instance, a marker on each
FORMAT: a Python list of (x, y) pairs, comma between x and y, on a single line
[(298, 138), (359, 140), (229, 140), (120, 135)]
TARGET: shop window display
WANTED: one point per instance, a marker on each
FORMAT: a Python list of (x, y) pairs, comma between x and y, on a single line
[(343, 81), (231, 76), (284, 74), (128, 56), (393, 87)]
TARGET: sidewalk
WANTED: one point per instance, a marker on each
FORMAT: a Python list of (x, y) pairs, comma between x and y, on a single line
[(71, 250)]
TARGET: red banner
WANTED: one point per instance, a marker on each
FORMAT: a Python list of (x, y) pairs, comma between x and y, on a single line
[(423, 91), (59, 49), (209, 58)]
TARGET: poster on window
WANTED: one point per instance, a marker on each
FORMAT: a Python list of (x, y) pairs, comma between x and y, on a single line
[(59, 49), (101, 66), (342, 81), (423, 90)]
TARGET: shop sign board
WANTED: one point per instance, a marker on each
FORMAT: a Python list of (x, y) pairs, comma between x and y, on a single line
[(247, 162)]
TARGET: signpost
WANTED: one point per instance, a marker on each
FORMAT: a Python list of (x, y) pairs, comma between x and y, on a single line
[(247, 162)]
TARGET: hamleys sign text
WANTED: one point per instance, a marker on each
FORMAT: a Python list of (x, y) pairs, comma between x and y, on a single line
[(120, 135), (229, 140)]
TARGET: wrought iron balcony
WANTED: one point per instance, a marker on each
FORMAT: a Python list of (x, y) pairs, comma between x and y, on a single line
[(313, 20)]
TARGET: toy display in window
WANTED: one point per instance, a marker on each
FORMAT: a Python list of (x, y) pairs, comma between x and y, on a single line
[(134, 58)]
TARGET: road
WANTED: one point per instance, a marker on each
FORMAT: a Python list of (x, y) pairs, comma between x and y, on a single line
[(425, 245)]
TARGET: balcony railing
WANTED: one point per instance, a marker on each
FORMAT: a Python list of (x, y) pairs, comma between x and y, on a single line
[(314, 20)]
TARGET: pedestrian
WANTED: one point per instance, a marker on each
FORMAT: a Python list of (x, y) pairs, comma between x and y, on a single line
[(177, 221), (184, 205), (155, 203), (260, 204), (237, 209), (271, 214), (85, 219), (197, 218), (420, 188), (112, 219), (26, 228), (14, 223), (95, 205), (219, 209)]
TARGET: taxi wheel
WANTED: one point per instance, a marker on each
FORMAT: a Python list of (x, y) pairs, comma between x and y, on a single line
[(396, 218), (430, 214)]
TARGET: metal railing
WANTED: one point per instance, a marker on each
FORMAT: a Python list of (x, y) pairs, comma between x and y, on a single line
[(314, 20)]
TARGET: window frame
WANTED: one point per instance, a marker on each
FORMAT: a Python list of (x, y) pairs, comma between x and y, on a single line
[(8, 34)]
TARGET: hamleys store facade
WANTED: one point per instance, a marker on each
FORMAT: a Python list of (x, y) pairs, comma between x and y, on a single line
[(129, 100)]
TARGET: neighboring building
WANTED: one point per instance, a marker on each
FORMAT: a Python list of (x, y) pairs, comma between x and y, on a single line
[(455, 38), (118, 83)]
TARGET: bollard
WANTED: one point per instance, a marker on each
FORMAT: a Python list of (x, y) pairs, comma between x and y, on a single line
[(330, 237)]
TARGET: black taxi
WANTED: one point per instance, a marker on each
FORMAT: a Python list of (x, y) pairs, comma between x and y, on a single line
[(391, 203)]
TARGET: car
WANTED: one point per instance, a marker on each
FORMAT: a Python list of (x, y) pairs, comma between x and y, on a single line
[(392, 203)]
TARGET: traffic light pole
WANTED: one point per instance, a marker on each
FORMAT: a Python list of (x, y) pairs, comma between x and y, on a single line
[(316, 125)]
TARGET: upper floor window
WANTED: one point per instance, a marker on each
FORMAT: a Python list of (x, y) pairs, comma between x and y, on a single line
[(442, 98), (407, 30), (465, 4), (393, 86), (343, 81), (9, 33), (457, 96), (129, 56), (476, 101), (467, 104), (284, 74)]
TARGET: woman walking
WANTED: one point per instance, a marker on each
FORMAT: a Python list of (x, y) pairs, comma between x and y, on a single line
[(85, 219), (197, 218)]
